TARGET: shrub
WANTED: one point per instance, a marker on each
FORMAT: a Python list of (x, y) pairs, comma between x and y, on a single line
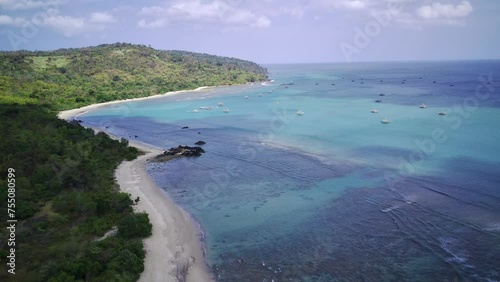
[(135, 225)]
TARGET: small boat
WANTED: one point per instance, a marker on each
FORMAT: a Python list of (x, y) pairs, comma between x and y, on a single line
[(220, 104), (260, 95), (443, 113), (382, 94), (378, 101), (246, 97), (195, 111), (385, 121), (300, 113), (226, 110), (374, 111), (423, 106), (206, 108)]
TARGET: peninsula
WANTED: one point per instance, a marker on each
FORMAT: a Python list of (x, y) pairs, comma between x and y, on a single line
[(68, 201)]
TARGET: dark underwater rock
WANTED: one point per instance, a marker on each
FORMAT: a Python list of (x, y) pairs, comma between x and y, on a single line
[(180, 151)]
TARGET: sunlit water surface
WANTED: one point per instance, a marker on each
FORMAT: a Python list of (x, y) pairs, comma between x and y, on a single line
[(334, 194)]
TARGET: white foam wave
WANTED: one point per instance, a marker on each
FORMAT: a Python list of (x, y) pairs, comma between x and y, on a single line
[(391, 208)]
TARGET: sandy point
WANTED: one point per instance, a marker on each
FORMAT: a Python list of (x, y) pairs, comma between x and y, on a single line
[(174, 251)]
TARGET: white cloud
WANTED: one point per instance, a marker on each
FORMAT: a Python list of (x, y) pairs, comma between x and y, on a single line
[(446, 11), (71, 26), (195, 11), (154, 11), (8, 20), (355, 4), (101, 18), (347, 4), (29, 4), (49, 16), (68, 26), (414, 14), (296, 12), (153, 24), (262, 22)]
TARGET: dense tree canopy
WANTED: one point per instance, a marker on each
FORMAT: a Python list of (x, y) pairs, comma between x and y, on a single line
[(65, 198), (68, 78)]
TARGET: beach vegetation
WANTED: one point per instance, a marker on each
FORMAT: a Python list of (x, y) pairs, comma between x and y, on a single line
[(65, 197), (135, 225)]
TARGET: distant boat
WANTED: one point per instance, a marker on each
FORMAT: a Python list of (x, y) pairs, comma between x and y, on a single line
[(423, 106), (220, 104), (374, 111), (382, 94), (300, 113), (260, 95), (443, 113), (195, 111), (246, 97), (378, 101), (385, 121), (206, 108), (226, 110)]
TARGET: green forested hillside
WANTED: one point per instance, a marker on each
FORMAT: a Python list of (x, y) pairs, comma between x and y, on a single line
[(69, 78), (65, 196)]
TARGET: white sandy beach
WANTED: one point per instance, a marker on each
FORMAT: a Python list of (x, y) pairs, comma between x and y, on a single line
[(74, 113), (174, 249)]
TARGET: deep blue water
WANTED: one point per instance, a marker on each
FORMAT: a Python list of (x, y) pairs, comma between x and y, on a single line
[(335, 195)]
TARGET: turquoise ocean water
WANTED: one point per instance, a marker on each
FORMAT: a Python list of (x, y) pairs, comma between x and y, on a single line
[(334, 194)]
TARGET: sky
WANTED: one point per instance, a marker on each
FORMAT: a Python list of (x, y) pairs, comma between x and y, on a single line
[(264, 31)]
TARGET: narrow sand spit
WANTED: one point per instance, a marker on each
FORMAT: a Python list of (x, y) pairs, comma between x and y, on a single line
[(174, 252), (70, 114)]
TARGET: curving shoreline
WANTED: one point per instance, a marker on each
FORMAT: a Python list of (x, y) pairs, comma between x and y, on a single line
[(74, 113), (174, 251)]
